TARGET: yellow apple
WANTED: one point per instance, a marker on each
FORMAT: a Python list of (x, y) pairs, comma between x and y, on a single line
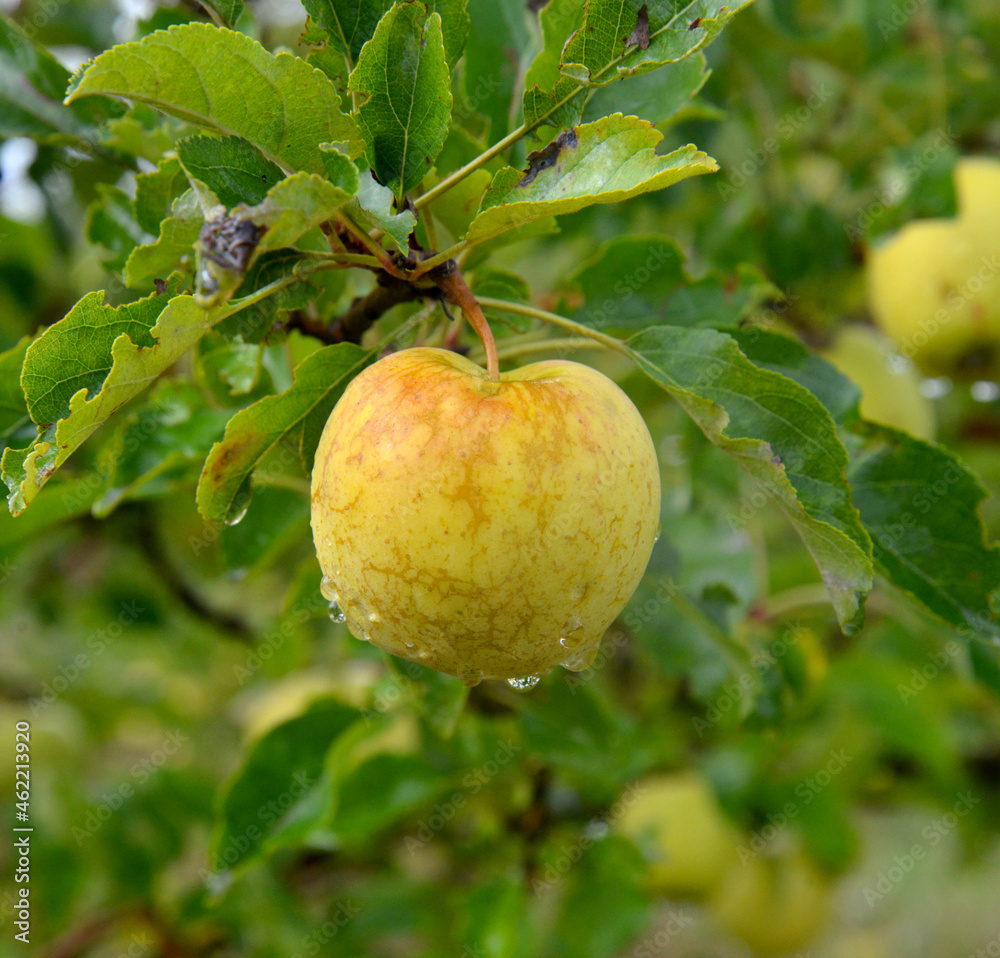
[(776, 905), (678, 826), (889, 384), (935, 285), (488, 529)]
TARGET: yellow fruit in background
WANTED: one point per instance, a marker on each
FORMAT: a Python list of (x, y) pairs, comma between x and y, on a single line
[(774, 904), (485, 529), (677, 824), (890, 386), (935, 285)]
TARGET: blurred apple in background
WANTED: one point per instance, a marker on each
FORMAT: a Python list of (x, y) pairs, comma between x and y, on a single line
[(935, 285), (776, 904), (889, 384), (677, 824)]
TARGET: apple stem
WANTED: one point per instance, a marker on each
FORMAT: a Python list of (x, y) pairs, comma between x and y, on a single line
[(449, 279)]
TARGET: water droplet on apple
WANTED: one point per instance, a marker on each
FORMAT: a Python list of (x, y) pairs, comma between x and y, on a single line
[(659, 527), (326, 587), (409, 645), (365, 637), (336, 615), (471, 678), (523, 685), (572, 633), (581, 659), (374, 617)]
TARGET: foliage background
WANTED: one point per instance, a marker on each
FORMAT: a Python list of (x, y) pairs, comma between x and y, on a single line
[(152, 650)]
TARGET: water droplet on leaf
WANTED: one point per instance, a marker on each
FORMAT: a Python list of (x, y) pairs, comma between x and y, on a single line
[(235, 518)]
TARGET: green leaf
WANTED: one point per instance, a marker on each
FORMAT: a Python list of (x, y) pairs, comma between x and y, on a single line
[(440, 698), (655, 96), (502, 284), (606, 887), (558, 19), (280, 518), (603, 50), (785, 355), (921, 507), (298, 204), (404, 84), (607, 161), (372, 209), (231, 167), (88, 365), (177, 235), (500, 31), (919, 503), (352, 23), (228, 370), (157, 446), (156, 192), (228, 11), (32, 83), (207, 76), (254, 323), (296, 415), (719, 300), (495, 918), (110, 223), (280, 782), (13, 406), (782, 436), (571, 726), (403, 783), (349, 23), (627, 283)]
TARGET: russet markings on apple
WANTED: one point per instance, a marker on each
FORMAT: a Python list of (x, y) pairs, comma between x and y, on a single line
[(491, 527)]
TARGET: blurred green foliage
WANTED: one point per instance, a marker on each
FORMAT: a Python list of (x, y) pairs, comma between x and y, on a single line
[(220, 769)]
